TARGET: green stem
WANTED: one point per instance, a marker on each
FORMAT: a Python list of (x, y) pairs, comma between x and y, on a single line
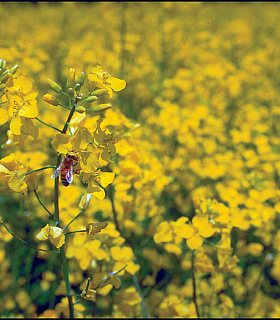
[(141, 296), (39, 170), (24, 242), (43, 205), (67, 282), (56, 212), (3, 102), (62, 105), (69, 129), (75, 231), (73, 220), (48, 125)]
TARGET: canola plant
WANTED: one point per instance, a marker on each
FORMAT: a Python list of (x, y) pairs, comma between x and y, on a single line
[(139, 160)]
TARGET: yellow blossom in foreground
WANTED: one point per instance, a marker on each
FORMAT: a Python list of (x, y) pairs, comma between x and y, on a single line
[(93, 228), (54, 234), (102, 79), (97, 182)]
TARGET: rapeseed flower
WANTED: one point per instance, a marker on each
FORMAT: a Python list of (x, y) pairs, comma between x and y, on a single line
[(54, 234), (102, 79)]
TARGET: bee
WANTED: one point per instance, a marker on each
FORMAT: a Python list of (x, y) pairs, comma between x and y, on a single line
[(65, 169)]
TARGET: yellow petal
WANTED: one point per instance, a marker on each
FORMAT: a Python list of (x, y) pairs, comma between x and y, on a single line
[(44, 233), (55, 232), (4, 116), (96, 191), (81, 139), (195, 242), (132, 268), (106, 178), (15, 184), (60, 143), (117, 84), (185, 231), (23, 82), (30, 129), (28, 111), (15, 126), (206, 231), (58, 242)]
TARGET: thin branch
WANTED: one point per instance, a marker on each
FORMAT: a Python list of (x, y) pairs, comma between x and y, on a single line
[(75, 231), (73, 220), (48, 125), (24, 242), (62, 105), (43, 205), (39, 170), (141, 296)]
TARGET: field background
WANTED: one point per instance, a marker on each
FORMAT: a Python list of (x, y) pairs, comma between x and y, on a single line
[(197, 131)]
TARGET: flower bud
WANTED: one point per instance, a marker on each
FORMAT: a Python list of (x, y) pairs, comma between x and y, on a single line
[(90, 99), (57, 88), (4, 78), (71, 78), (81, 78), (71, 92), (5, 72), (13, 70), (51, 99), (77, 87), (102, 107), (98, 92), (3, 65), (80, 109)]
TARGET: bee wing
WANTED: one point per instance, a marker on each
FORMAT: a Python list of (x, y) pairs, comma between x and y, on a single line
[(69, 175), (57, 171)]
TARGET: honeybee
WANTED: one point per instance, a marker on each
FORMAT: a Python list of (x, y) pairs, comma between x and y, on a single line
[(65, 169)]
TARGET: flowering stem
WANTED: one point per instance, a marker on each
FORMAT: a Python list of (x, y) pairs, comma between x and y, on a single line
[(43, 205), (73, 220), (69, 129), (56, 212), (39, 170), (24, 242), (194, 286), (47, 124)]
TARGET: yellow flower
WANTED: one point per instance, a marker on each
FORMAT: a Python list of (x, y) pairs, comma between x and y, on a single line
[(77, 145), (97, 181), (105, 141), (22, 104), (123, 257), (93, 228), (54, 234), (200, 228), (102, 79), (12, 175)]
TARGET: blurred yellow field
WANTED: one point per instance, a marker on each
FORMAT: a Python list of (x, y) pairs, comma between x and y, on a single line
[(139, 159)]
